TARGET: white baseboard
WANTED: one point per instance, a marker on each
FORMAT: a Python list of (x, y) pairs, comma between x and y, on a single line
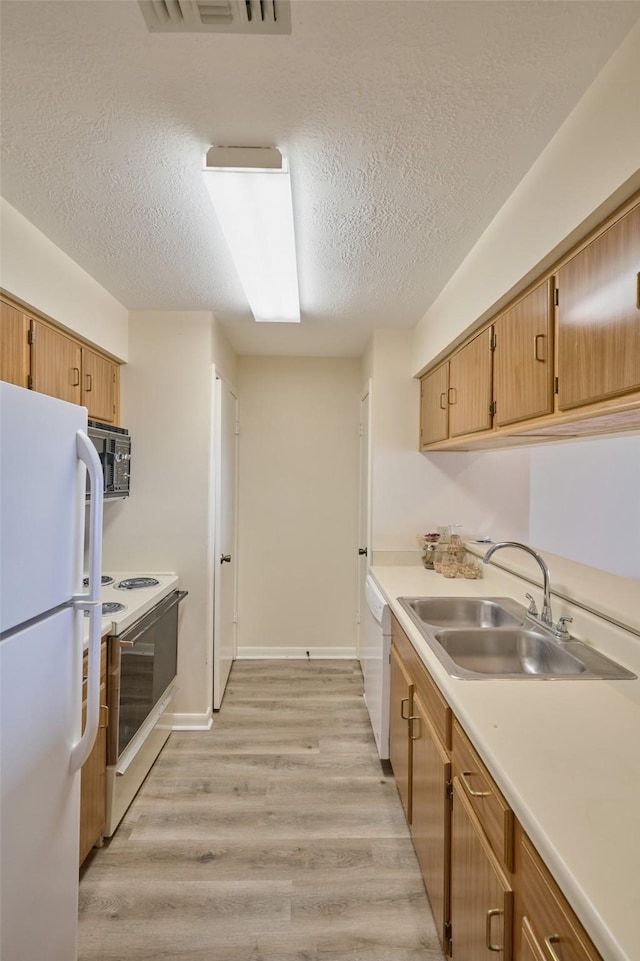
[(296, 653), (189, 722)]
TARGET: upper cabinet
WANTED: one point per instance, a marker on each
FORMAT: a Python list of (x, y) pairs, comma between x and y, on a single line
[(523, 363), (434, 406), (563, 360), (14, 345), (36, 354), (599, 317), (469, 392), (55, 363), (99, 386)]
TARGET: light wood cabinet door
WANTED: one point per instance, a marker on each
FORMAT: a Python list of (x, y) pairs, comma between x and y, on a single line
[(55, 363), (434, 406), (599, 317), (530, 950), (481, 895), (431, 816), (93, 776), (553, 927), (99, 381), (400, 746), (470, 387), (523, 359), (14, 346)]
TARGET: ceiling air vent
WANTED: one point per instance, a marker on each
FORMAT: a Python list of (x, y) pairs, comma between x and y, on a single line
[(217, 16)]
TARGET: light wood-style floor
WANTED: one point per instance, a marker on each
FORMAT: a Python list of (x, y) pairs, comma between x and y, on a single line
[(275, 836)]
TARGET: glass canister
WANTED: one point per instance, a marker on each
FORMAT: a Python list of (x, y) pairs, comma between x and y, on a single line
[(438, 557), (429, 555)]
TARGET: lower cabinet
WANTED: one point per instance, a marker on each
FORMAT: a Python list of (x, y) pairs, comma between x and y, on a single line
[(431, 821), (481, 892), (400, 745), (550, 931), (93, 777), (490, 892)]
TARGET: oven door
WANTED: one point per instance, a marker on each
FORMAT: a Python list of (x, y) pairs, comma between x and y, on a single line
[(148, 666)]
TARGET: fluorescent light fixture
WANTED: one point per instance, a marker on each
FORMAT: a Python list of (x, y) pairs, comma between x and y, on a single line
[(251, 193)]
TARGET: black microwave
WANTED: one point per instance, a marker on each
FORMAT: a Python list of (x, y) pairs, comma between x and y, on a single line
[(114, 450)]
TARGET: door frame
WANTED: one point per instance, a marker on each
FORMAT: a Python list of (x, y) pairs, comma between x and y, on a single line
[(365, 485), (215, 513)]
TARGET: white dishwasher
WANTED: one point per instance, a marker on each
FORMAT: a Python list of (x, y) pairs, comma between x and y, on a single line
[(375, 664)]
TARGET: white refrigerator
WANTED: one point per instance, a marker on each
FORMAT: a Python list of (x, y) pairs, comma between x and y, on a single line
[(44, 456)]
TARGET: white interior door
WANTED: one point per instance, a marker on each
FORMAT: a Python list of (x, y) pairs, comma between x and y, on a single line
[(364, 516), (226, 539)]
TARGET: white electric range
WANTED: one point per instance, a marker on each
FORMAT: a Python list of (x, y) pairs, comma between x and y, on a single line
[(140, 614), (127, 596)]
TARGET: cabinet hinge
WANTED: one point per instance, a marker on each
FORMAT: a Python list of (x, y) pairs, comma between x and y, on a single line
[(114, 378), (31, 335), (114, 408), (30, 382), (447, 936), (360, 430), (556, 296), (237, 430), (448, 792), (492, 408), (555, 385), (235, 617), (492, 341)]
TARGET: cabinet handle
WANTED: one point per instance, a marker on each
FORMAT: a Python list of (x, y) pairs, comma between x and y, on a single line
[(405, 700), (443, 400), (105, 708), (491, 914), (455, 395), (550, 941), (539, 338), (414, 737), (76, 377), (465, 775), (638, 291), (89, 386)]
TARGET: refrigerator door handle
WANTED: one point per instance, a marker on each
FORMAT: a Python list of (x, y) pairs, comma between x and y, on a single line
[(88, 454)]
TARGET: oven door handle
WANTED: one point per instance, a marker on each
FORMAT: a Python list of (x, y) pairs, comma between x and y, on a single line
[(131, 642)]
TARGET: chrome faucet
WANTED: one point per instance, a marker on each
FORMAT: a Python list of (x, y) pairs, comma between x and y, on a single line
[(545, 616)]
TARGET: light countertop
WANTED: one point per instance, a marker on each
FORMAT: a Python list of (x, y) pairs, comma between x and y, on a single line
[(565, 754)]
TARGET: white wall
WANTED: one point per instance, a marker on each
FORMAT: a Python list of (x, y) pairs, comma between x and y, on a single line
[(39, 274), (414, 492), (585, 503), (298, 504), (594, 153), (167, 403)]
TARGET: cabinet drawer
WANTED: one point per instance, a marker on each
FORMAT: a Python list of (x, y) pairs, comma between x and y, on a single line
[(551, 926), (438, 710), (487, 802)]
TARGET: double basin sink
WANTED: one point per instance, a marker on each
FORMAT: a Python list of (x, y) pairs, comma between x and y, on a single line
[(495, 637)]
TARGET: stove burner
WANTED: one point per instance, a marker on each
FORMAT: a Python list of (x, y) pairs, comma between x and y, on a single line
[(137, 583), (110, 607), (104, 580)]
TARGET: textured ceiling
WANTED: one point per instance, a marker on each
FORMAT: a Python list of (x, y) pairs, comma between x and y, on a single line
[(407, 125)]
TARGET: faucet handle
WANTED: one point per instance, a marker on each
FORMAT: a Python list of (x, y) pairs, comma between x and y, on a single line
[(560, 630), (533, 610)]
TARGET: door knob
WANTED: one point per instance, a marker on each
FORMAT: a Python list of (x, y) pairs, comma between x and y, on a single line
[(362, 551), (225, 558)]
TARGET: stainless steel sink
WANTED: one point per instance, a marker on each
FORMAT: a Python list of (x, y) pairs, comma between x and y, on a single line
[(508, 653), (495, 637), (463, 611)]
